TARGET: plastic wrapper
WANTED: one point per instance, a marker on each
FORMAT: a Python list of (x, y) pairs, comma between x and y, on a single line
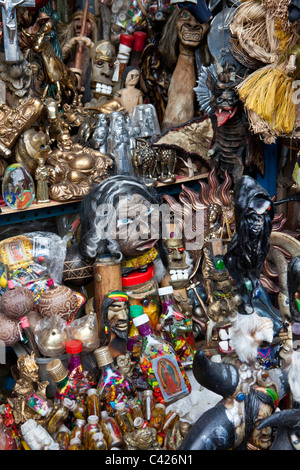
[(85, 329), (51, 336), (33, 257)]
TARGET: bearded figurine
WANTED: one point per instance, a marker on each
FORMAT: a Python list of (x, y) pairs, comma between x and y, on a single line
[(114, 325)]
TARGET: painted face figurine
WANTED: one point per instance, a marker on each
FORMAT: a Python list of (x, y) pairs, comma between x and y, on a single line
[(115, 322), (176, 262), (130, 96), (128, 203), (104, 57)]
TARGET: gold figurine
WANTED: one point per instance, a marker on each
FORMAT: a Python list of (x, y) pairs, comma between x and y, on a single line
[(73, 169), (41, 176), (24, 386)]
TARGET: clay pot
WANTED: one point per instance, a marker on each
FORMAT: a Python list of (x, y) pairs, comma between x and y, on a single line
[(17, 302), (9, 332), (60, 300)]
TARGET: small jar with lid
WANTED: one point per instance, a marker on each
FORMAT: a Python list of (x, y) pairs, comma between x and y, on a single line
[(142, 289)]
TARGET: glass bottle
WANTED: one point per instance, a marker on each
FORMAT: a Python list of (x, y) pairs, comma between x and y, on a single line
[(171, 418), (158, 417), (78, 430), (98, 442), (63, 439), (78, 409), (57, 418), (148, 403), (113, 387), (93, 402), (75, 367), (75, 444), (90, 429), (140, 423), (39, 405), (111, 430), (124, 418), (59, 374), (160, 365), (135, 408), (176, 328), (134, 340)]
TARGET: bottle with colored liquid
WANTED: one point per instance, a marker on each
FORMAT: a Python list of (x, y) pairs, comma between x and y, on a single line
[(78, 429), (98, 442), (113, 387), (93, 403), (78, 409), (57, 418), (160, 365), (176, 328), (134, 340), (90, 429), (64, 386), (124, 418), (75, 444), (111, 430), (76, 371)]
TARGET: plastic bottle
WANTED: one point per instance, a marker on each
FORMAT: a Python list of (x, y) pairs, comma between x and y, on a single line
[(57, 418), (160, 365), (111, 430), (176, 327), (78, 430), (78, 409), (158, 417), (75, 444), (90, 429), (98, 442), (124, 418), (113, 387), (93, 402)]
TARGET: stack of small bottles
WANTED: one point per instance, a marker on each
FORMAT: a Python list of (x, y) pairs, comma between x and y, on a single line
[(109, 412)]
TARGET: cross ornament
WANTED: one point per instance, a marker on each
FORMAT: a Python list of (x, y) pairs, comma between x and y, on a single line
[(9, 20)]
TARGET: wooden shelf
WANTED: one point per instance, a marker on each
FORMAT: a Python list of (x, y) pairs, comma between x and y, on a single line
[(35, 206), (37, 211), (54, 208), (184, 179)]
